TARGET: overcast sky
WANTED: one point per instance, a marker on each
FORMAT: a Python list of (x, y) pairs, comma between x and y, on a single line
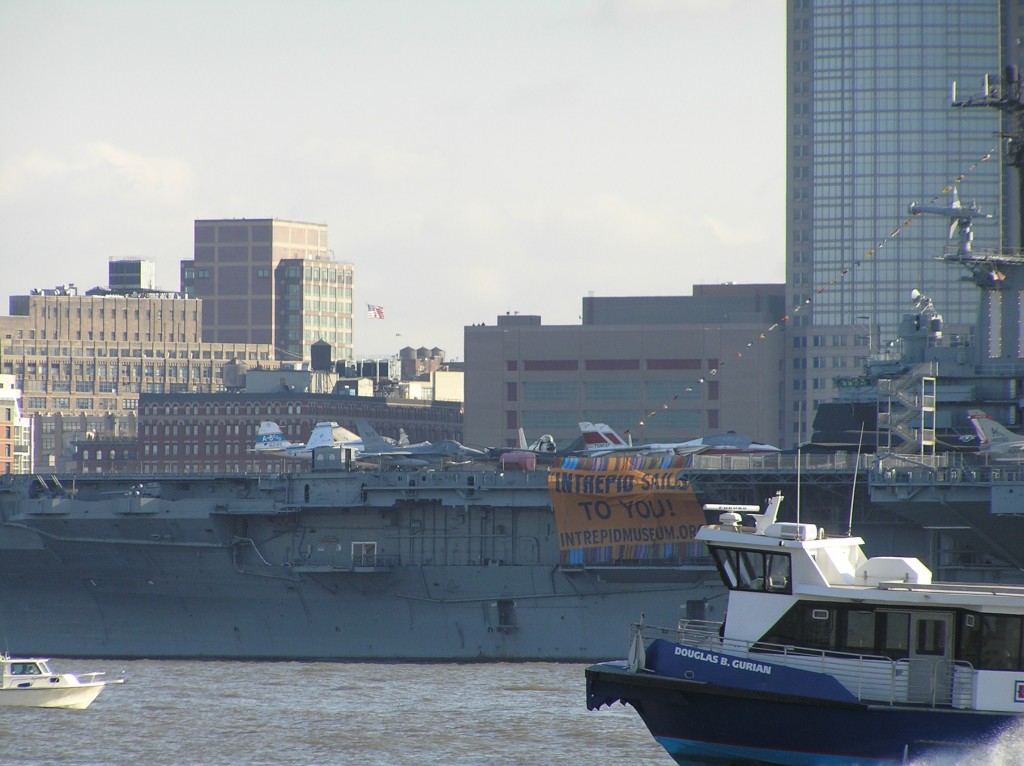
[(469, 158)]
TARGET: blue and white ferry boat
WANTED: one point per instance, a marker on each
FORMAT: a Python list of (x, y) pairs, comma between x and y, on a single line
[(825, 656)]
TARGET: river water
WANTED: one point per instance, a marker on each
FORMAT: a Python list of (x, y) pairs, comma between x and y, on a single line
[(170, 713), (294, 713)]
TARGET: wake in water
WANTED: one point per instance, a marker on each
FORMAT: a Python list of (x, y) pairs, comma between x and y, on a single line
[(1007, 750)]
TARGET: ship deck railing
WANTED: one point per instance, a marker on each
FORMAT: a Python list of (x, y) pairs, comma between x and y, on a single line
[(831, 462), (871, 679), (364, 564), (945, 469), (462, 479)]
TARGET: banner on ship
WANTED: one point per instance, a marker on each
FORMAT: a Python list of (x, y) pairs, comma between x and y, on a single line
[(602, 502)]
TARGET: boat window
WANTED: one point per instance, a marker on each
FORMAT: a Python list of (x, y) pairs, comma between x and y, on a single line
[(970, 639), (931, 638), (726, 568), (754, 570), (24, 669), (989, 642), (751, 569), (895, 630), (1000, 642), (807, 624), (779, 575), (819, 633), (859, 636)]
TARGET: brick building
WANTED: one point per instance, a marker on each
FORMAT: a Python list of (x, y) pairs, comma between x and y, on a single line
[(214, 433)]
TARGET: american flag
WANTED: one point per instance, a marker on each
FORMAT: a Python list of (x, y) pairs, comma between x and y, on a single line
[(374, 312)]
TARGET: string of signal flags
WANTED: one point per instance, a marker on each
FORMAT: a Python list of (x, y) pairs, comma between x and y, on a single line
[(838, 278)]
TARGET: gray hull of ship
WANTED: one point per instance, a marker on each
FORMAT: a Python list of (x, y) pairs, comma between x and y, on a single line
[(315, 567)]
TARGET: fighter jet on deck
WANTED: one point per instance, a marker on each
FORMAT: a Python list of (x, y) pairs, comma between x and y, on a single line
[(601, 439), (375, 446), (995, 439)]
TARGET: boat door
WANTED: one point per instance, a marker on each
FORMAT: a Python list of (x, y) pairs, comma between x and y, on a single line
[(931, 657)]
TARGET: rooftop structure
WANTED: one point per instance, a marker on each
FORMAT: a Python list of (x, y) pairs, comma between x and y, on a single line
[(128, 274)]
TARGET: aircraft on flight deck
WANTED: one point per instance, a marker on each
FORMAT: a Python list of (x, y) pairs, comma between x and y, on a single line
[(995, 439), (730, 443), (375, 446), (545, 449), (270, 440), (601, 439)]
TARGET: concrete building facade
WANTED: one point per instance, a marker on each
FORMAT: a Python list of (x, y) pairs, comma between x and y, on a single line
[(82, 362), (269, 281), (662, 368)]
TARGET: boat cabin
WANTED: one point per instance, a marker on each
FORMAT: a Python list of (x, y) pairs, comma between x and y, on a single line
[(986, 641), (17, 672), (792, 586)]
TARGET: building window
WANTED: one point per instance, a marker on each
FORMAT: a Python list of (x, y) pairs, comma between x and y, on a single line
[(551, 365), (612, 364), (553, 391)]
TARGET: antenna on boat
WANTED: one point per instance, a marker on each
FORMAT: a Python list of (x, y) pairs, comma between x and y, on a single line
[(799, 446), (853, 489), (771, 512)]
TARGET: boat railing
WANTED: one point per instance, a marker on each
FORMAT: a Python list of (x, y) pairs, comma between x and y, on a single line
[(700, 633), (870, 678)]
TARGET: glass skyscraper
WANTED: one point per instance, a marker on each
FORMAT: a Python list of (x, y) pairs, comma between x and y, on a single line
[(870, 130)]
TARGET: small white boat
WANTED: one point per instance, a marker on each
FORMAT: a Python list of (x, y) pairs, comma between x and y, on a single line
[(29, 682)]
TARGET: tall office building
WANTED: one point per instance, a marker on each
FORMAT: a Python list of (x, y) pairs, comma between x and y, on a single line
[(270, 281), (870, 130)]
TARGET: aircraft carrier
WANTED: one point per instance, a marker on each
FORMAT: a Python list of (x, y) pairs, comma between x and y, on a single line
[(464, 565), (454, 565)]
